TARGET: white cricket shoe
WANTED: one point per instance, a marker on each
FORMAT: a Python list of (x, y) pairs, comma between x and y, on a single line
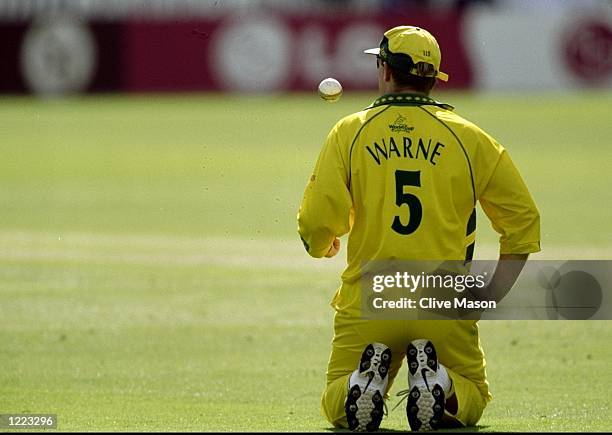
[(428, 384), (367, 386)]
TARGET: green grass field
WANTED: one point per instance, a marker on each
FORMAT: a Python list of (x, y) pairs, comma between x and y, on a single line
[(151, 277)]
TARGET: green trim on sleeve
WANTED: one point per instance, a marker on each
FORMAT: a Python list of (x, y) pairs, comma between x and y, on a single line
[(306, 245)]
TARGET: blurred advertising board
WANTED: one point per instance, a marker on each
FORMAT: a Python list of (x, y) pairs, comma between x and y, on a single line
[(62, 47), (273, 52), (550, 46), (239, 50)]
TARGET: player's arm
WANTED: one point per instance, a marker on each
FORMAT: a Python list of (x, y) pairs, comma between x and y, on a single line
[(324, 214), (508, 204), (507, 271)]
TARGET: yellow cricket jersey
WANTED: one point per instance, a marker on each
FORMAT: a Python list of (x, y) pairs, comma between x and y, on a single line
[(403, 177)]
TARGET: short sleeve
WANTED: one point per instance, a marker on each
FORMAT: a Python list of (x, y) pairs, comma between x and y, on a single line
[(509, 205), (326, 206)]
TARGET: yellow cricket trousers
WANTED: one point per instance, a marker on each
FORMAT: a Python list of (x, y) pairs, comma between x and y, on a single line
[(457, 345)]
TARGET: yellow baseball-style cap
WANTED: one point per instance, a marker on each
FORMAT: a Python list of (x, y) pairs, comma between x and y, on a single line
[(404, 47)]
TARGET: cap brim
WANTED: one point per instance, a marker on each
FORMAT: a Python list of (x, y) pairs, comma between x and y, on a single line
[(442, 76), (375, 51)]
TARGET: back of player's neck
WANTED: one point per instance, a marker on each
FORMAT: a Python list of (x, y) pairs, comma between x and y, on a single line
[(407, 90)]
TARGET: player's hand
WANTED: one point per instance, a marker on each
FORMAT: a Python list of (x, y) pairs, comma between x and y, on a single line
[(334, 248)]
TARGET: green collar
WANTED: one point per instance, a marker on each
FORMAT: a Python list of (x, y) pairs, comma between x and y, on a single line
[(404, 99)]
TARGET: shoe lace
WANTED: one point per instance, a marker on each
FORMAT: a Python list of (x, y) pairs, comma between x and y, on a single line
[(404, 394)]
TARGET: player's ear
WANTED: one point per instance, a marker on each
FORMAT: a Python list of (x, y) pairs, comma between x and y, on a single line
[(387, 76)]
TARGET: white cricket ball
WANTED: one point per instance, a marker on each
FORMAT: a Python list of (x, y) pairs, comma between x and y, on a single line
[(330, 90)]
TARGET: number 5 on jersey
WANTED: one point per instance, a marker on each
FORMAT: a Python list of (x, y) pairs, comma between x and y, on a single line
[(415, 210)]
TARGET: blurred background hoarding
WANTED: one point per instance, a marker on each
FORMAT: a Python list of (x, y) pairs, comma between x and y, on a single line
[(58, 47)]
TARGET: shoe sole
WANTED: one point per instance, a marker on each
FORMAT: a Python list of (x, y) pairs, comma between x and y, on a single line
[(425, 407), (364, 410)]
